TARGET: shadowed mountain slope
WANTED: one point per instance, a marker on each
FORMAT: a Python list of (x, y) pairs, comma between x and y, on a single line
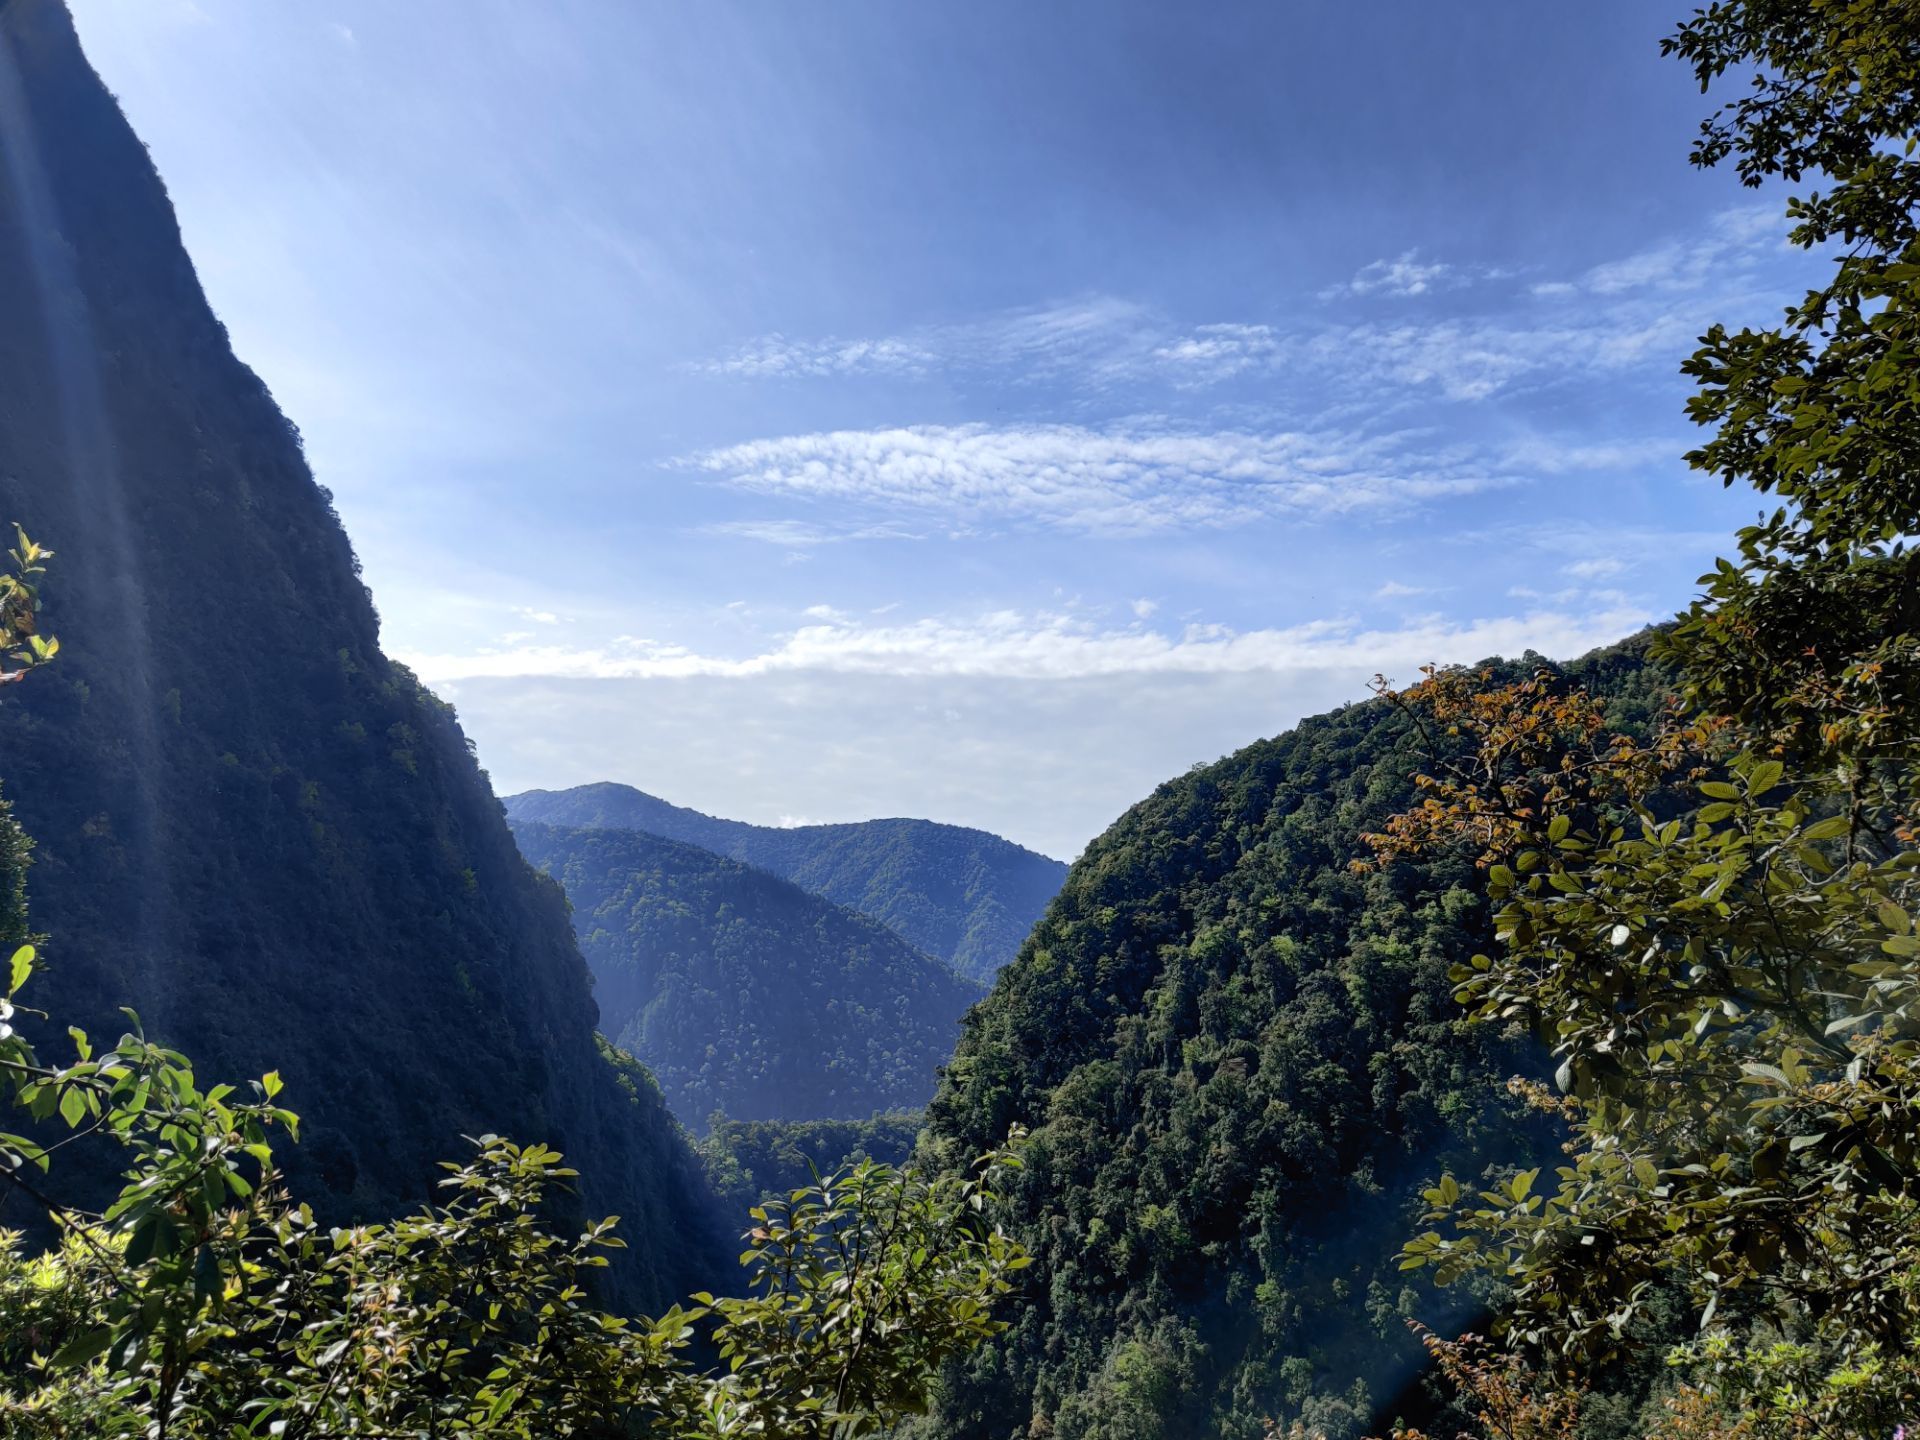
[(744, 993), (964, 895), (250, 824)]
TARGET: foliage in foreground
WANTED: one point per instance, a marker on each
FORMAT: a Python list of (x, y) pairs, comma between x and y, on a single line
[(1715, 928), (203, 1301)]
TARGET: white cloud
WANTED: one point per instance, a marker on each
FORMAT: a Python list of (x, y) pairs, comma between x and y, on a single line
[(1616, 316), (1089, 335), (1212, 353), (966, 721), (1408, 275), (1734, 242), (1143, 608), (1602, 567), (803, 534), (1549, 455), (1113, 481), (777, 356), (1394, 590), (538, 617), (342, 33), (1009, 644)]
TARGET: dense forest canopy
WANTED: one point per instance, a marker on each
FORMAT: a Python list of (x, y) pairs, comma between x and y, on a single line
[(1240, 1059), (961, 894), (745, 994), (751, 1160)]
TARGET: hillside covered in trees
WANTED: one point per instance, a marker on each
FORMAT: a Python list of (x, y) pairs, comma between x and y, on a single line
[(964, 895), (250, 825), (749, 1161), (1241, 1058), (744, 993)]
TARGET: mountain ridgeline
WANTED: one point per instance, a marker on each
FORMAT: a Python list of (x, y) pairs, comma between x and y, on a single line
[(744, 993), (249, 823), (1241, 1058), (964, 895)]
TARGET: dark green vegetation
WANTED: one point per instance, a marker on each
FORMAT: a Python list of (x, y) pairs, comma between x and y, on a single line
[(1731, 985), (251, 825), (964, 895), (744, 993), (1240, 1059), (748, 1160), (203, 1303)]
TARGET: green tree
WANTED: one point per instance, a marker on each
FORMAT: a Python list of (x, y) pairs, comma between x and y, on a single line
[(203, 1301), (1714, 929), (21, 642)]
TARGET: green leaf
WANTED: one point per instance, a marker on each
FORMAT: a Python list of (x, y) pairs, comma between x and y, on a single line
[(83, 1347), (22, 967)]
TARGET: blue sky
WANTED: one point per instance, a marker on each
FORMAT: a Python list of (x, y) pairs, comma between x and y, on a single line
[(986, 411)]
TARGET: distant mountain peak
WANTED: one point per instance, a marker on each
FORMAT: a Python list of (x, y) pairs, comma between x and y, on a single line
[(741, 991), (965, 895)]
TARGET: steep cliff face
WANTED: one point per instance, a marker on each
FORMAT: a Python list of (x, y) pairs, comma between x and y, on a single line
[(251, 825)]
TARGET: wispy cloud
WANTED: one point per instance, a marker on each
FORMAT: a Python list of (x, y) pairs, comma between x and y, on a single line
[(1088, 335), (1111, 481), (806, 534), (777, 356), (1013, 645), (1614, 317), (1733, 243), (1599, 567), (1213, 353), (1409, 275)]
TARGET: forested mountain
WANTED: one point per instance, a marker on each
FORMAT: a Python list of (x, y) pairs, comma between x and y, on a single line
[(750, 1160), (741, 991), (964, 895), (1240, 1058), (250, 824)]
